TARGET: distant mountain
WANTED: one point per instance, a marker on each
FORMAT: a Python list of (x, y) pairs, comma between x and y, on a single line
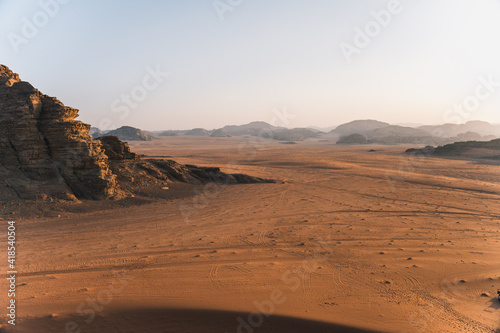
[(473, 136), (383, 133), (220, 133), (307, 132), (394, 134), (452, 130), (263, 129), (127, 133), (169, 133), (374, 131), (254, 128), (362, 127), (322, 129), (197, 132), (95, 132)]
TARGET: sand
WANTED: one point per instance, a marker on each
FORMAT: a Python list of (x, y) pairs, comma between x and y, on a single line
[(350, 241)]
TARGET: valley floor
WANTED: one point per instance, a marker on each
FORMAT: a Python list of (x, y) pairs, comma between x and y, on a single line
[(352, 241)]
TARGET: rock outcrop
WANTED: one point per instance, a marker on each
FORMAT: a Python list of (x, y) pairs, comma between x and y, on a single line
[(478, 149), (459, 148), (132, 171), (44, 151), (116, 149)]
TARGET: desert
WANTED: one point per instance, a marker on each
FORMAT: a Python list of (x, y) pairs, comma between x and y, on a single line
[(406, 244), (230, 166)]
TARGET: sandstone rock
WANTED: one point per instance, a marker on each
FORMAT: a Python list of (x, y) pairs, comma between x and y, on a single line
[(44, 150), (116, 149)]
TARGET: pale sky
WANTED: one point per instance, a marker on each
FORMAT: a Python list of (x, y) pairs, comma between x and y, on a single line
[(252, 58)]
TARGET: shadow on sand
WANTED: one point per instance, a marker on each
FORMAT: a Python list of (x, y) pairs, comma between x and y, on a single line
[(177, 320)]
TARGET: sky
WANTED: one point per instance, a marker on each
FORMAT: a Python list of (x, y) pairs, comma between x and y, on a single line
[(175, 64)]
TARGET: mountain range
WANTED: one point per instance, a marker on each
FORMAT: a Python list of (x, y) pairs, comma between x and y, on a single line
[(354, 132)]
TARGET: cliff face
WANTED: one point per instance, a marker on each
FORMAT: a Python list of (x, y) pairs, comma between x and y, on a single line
[(44, 150)]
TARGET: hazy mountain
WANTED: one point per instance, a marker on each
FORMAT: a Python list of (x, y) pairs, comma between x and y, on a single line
[(362, 127), (307, 132), (253, 128), (394, 134), (322, 129), (220, 133), (453, 130), (374, 131), (197, 132), (169, 133), (95, 132), (128, 133)]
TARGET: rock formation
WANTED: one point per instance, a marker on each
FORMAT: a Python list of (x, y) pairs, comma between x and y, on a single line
[(44, 150), (482, 149), (133, 171), (45, 153), (116, 149)]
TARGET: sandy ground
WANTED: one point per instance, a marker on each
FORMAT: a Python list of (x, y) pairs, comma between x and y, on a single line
[(351, 240)]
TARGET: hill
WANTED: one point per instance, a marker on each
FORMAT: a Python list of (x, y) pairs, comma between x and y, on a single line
[(254, 128), (362, 127), (128, 133), (197, 132), (483, 128)]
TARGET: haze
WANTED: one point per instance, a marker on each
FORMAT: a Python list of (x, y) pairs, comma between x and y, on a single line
[(260, 56)]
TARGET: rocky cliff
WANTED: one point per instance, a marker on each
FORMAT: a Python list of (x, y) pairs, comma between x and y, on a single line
[(44, 151)]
